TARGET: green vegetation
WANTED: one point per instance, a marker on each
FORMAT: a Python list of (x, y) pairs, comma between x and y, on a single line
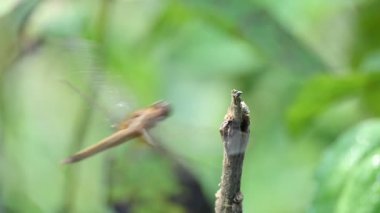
[(309, 70)]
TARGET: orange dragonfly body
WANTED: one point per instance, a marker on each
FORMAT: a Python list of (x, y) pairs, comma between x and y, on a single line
[(134, 126)]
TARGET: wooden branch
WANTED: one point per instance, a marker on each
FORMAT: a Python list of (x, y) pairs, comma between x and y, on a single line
[(235, 135)]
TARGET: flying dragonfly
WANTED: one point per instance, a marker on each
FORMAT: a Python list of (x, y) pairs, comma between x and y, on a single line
[(136, 125)]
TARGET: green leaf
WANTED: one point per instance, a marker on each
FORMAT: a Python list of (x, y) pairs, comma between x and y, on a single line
[(347, 176), (362, 191), (372, 93), (320, 93)]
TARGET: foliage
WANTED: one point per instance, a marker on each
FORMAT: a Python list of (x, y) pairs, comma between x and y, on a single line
[(321, 92), (309, 71), (348, 174)]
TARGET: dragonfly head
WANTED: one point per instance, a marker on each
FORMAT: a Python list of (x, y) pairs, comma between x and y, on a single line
[(163, 108)]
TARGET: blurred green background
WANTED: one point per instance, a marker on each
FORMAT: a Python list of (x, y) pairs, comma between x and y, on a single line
[(309, 70)]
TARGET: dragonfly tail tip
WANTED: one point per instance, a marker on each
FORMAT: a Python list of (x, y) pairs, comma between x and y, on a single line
[(67, 161)]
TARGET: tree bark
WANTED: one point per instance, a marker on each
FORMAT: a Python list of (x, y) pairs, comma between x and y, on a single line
[(235, 135)]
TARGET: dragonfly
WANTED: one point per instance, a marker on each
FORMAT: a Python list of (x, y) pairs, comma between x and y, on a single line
[(136, 125)]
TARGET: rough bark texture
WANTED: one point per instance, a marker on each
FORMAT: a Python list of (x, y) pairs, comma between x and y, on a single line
[(235, 136)]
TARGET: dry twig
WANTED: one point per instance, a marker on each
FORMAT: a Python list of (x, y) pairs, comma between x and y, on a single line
[(235, 134)]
